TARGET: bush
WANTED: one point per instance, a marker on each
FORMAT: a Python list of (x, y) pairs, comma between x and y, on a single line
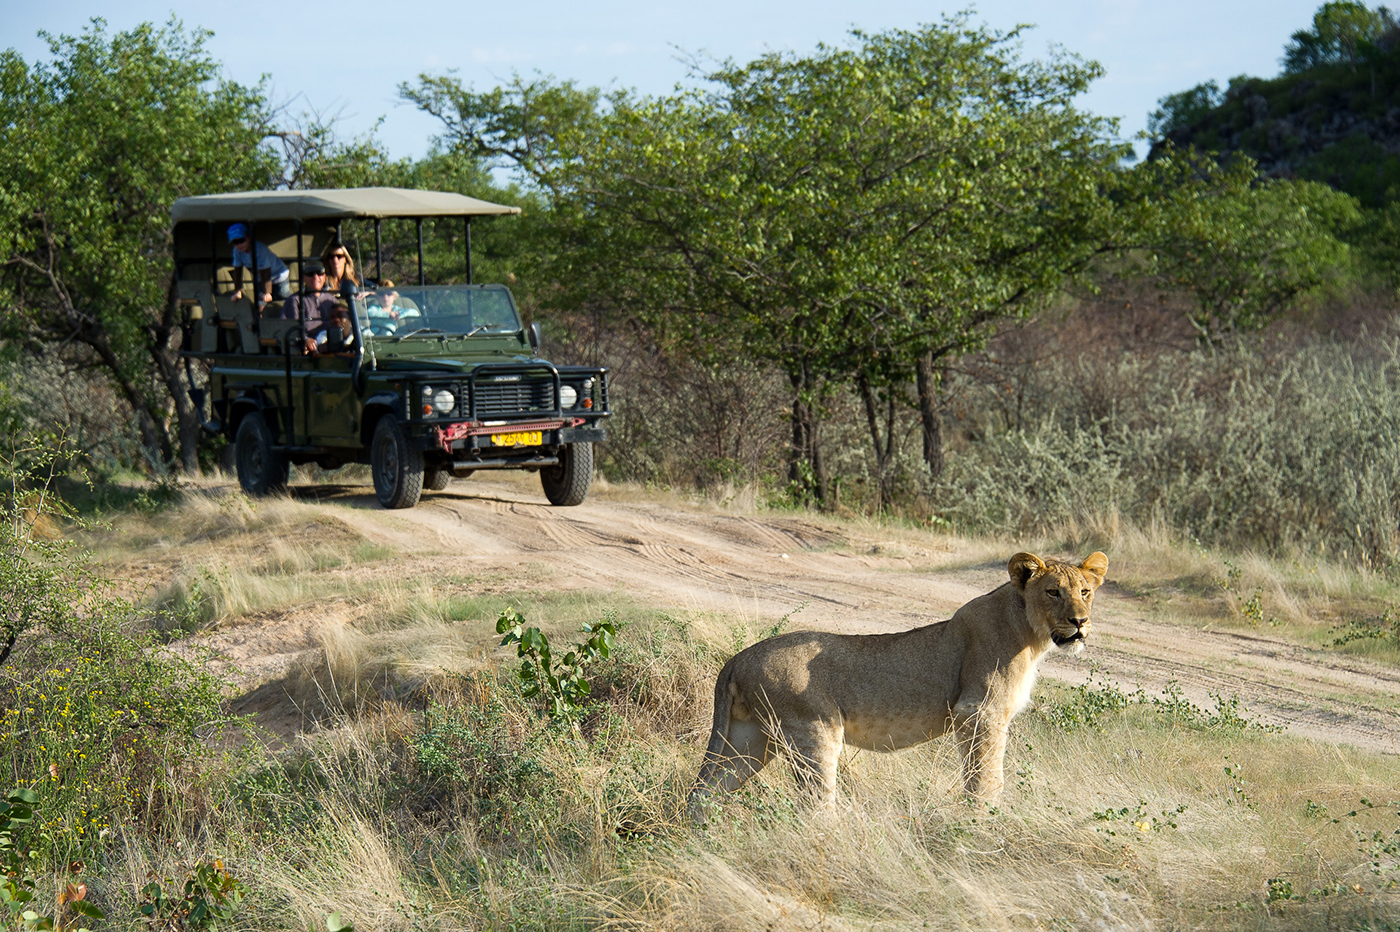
[(93, 713), (1241, 448)]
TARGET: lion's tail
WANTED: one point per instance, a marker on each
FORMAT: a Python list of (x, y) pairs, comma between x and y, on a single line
[(719, 749)]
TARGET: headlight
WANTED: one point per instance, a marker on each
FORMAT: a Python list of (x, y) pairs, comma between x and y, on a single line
[(568, 396), (444, 402)]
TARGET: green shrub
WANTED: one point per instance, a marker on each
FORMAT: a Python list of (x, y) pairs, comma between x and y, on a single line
[(476, 754), (93, 713)]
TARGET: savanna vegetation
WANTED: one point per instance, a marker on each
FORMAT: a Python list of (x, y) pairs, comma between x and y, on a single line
[(905, 279)]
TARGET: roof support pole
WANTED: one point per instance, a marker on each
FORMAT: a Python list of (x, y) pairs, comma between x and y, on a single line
[(421, 280), (301, 261), (213, 276), (378, 253), (467, 222)]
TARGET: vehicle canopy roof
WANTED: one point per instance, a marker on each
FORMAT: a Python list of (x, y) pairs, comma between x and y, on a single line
[(332, 204)]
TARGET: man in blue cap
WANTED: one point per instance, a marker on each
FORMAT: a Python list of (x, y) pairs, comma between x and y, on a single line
[(272, 271)]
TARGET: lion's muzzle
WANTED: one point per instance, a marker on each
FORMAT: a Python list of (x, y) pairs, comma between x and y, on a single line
[(1078, 634)]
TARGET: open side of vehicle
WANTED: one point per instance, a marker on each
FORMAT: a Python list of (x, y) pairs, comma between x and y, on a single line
[(428, 383)]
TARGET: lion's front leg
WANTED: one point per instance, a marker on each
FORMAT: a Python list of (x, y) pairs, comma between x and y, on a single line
[(981, 732)]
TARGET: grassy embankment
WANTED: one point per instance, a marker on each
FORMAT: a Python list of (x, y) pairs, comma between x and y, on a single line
[(423, 793)]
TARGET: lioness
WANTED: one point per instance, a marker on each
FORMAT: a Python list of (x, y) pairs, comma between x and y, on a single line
[(809, 692)]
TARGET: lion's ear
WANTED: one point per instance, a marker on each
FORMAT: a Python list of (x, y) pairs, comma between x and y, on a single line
[(1023, 567), (1095, 566)]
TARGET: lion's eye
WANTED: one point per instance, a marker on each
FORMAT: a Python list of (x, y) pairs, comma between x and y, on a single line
[(1086, 593), (1053, 593)]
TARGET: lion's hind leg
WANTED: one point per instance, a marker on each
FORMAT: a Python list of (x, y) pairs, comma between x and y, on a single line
[(732, 757)]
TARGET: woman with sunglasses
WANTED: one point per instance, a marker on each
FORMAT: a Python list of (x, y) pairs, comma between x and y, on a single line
[(339, 265)]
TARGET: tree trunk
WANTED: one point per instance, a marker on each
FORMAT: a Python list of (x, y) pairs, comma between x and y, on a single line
[(154, 437), (928, 379), (805, 467), (167, 361), (884, 447)]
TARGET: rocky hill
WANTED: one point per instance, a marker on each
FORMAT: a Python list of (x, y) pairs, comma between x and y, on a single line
[(1337, 123)]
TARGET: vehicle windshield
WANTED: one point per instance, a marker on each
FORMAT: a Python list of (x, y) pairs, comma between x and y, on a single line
[(434, 310)]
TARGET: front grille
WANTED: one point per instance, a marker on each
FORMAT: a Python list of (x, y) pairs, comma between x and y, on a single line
[(498, 398)]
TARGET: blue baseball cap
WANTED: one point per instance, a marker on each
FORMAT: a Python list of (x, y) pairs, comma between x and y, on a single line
[(237, 231)]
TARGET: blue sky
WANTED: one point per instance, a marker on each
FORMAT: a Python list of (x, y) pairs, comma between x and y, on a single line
[(347, 58)]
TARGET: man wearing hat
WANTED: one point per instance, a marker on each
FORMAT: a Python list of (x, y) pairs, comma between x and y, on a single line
[(272, 271), (312, 304)]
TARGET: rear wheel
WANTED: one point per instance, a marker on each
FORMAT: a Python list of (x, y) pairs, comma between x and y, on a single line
[(261, 470), (568, 482), (435, 478), (397, 468)]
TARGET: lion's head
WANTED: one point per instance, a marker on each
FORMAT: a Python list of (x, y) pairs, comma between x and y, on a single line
[(1058, 595)]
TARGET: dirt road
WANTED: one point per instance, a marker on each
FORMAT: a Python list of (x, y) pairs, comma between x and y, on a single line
[(861, 578)]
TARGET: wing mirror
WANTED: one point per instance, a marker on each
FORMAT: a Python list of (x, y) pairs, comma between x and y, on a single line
[(533, 332)]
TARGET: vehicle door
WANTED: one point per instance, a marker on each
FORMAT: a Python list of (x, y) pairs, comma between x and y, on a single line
[(332, 410)]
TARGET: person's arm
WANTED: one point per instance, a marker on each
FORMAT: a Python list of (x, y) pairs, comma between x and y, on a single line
[(237, 276), (266, 276)]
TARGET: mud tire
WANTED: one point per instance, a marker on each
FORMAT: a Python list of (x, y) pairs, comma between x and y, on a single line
[(397, 468), (261, 470), (568, 482)]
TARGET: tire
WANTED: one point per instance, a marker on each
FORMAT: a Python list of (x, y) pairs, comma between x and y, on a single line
[(397, 468), (435, 478), (261, 470), (568, 482)]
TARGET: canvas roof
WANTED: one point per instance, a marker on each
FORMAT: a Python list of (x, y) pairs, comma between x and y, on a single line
[(332, 204)]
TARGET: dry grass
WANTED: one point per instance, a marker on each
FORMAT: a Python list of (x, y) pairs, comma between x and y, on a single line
[(548, 829), (599, 841)]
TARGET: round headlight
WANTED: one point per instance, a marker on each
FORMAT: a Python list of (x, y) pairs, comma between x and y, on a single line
[(444, 401), (568, 396)]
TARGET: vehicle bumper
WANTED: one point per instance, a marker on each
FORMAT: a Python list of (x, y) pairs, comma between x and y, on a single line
[(471, 439)]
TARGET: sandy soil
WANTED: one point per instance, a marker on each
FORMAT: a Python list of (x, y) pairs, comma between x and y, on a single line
[(846, 577)]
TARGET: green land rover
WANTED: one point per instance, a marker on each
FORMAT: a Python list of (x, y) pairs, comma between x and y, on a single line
[(422, 382)]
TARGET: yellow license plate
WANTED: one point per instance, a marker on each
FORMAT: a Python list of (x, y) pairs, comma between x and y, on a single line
[(524, 438)]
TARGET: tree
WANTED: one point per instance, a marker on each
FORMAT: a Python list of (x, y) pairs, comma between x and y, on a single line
[(94, 147), (1343, 33), (1245, 248), (849, 216), (1182, 109)]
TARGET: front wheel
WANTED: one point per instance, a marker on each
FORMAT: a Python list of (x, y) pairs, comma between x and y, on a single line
[(567, 483), (435, 478), (397, 467), (261, 470)]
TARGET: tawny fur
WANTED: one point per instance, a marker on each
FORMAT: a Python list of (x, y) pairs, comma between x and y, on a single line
[(806, 694)]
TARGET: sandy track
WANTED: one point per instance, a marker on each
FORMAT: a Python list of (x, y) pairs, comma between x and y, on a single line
[(761, 568)]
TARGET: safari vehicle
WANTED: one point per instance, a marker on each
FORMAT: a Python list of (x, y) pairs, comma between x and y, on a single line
[(454, 385)]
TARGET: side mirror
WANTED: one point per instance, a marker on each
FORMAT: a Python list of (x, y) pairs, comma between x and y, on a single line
[(536, 338)]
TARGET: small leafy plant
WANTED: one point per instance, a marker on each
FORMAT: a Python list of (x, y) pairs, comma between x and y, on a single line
[(210, 896), (18, 863), (559, 681)]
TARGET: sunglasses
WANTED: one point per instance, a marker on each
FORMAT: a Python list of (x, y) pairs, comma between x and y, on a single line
[(240, 241), (337, 255), (314, 274)]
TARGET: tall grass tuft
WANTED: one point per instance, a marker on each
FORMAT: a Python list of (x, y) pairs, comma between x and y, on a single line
[(1241, 448)]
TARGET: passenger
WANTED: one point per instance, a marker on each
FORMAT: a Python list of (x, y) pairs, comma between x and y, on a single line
[(311, 305), (339, 266), (385, 310), (335, 337), (272, 271)]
